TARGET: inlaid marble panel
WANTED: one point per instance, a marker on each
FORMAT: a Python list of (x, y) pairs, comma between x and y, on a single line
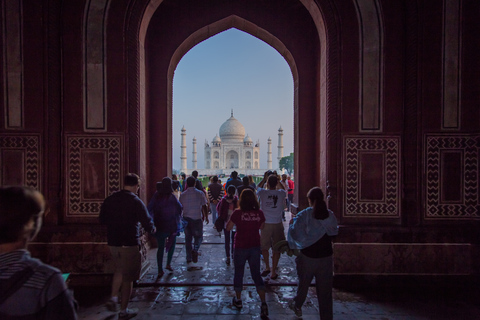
[(20, 160), (94, 171), (372, 176), (451, 171)]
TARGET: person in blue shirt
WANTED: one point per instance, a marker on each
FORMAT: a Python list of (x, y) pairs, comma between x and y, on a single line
[(311, 232)]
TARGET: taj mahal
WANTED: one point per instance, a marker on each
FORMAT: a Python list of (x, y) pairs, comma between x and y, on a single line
[(230, 150)]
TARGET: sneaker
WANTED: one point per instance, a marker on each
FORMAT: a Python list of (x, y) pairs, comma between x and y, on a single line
[(264, 310), (194, 256), (111, 305), (237, 303), (298, 311), (128, 313)]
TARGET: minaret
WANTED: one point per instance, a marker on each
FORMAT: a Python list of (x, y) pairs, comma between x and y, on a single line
[(280, 146), (183, 154), (194, 153), (269, 154)]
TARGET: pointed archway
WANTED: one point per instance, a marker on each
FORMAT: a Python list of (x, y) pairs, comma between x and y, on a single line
[(168, 29)]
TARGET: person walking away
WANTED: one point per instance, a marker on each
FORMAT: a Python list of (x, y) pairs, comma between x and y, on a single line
[(177, 186), (29, 289), (234, 180), (284, 183), (311, 231), (245, 185), (252, 183), (121, 212), (195, 211), (248, 220), (215, 194), (291, 187), (225, 209), (271, 203), (166, 211), (184, 181)]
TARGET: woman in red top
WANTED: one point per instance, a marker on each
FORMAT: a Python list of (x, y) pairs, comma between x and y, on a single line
[(248, 219)]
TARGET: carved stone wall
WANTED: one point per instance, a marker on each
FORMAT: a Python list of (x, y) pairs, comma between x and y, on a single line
[(93, 170), (372, 176), (451, 171), (20, 160)]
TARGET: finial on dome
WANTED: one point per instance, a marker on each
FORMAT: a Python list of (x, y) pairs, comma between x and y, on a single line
[(232, 112)]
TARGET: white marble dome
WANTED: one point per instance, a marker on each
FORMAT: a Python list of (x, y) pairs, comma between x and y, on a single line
[(232, 130), (216, 139), (247, 139)]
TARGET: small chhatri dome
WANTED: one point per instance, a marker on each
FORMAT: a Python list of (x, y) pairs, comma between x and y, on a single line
[(217, 139), (232, 130), (280, 130), (248, 139)]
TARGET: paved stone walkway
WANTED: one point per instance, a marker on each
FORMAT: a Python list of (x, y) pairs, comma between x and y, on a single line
[(204, 291)]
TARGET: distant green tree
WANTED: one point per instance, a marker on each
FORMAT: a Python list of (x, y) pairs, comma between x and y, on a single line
[(286, 163)]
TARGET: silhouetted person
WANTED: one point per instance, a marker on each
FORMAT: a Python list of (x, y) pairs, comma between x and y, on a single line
[(248, 220), (195, 211), (245, 185), (166, 211), (29, 289), (121, 212), (271, 203), (311, 231)]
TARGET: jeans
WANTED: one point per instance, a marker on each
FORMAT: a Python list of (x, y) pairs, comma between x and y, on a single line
[(161, 239), (322, 270), (241, 256), (289, 201), (213, 208), (229, 236), (193, 229)]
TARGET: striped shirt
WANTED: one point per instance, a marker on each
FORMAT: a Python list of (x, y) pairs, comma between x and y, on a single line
[(43, 295)]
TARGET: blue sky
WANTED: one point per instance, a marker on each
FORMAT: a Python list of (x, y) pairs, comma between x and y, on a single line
[(232, 70)]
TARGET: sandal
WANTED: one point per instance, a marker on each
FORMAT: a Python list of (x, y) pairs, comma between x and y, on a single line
[(265, 273)]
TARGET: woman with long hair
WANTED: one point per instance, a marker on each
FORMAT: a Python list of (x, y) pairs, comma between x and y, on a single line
[(311, 232), (166, 211), (225, 208), (249, 220)]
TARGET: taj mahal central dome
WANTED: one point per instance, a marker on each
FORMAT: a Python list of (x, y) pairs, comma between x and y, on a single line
[(230, 149), (232, 130)]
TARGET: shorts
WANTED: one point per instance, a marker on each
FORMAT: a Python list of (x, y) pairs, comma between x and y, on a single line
[(271, 234), (128, 262)]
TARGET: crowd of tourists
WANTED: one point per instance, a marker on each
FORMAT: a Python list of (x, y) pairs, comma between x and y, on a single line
[(250, 216)]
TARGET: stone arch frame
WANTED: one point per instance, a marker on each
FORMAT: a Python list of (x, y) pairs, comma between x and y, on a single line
[(326, 90)]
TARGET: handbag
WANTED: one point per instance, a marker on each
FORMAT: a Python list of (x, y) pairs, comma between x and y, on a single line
[(219, 224), (182, 225)]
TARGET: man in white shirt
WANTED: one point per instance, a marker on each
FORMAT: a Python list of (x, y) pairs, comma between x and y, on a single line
[(271, 203), (195, 211)]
